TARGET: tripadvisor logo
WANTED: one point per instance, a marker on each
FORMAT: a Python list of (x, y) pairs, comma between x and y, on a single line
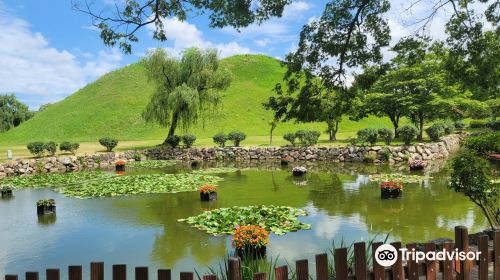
[(386, 255)]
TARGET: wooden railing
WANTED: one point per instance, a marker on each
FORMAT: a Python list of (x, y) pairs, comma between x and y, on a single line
[(432, 270)]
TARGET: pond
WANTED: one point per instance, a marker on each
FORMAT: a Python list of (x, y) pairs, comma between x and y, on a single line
[(142, 230)]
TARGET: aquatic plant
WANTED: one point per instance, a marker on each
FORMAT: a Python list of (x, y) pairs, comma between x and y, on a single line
[(54, 179), (152, 163)]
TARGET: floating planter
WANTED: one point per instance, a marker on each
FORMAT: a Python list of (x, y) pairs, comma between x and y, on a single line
[(195, 163), (391, 189), (250, 242), (286, 160), (299, 171), (6, 191), (416, 164), (208, 193), (45, 206), (120, 165)]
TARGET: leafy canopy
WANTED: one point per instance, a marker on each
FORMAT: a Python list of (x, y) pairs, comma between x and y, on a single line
[(12, 112)]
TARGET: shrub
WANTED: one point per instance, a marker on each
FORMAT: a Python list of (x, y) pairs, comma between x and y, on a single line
[(484, 143), (459, 125), (435, 131), (236, 137), (386, 134), (495, 125), (220, 139), (173, 141), (137, 156), (370, 156), (188, 140), (353, 141), (69, 147), (478, 123), (369, 135), (290, 137), (311, 137), (50, 147), (108, 143), (407, 133), (36, 148), (301, 135), (385, 154), (449, 127)]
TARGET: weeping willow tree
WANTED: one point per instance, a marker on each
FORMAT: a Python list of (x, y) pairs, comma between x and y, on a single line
[(186, 87)]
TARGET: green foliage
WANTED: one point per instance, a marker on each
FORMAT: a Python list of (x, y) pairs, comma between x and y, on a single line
[(407, 133), (12, 112), (55, 179), (369, 135), (108, 143), (478, 123), (46, 202), (386, 134), (137, 157), (471, 176), (386, 154), (71, 147), (220, 139), (307, 137), (276, 219), (216, 170), (435, 132), (494, 125), (152, 164), (370, 156), (50, 147), (188, 140), (36, 148), (173, 141), (186, 87), (413, 179), (290, 137), (459, 125), (236, 137), (484, 143), (353, 141)]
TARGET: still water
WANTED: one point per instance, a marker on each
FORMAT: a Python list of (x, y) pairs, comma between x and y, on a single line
[(142, 230)]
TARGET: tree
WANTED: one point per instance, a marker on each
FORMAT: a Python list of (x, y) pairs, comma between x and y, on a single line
[(186, 87), (120, 23), (12, 112)]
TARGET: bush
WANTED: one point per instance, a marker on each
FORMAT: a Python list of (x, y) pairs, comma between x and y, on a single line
[(108, 143), (478, 123), (369, 135), (386, 154), (311, 138), (173, 141), (435, 131), (290, 137), (36, 148), (484, 143), (407, 133), (236, 137), (69, 147), (448, 127), (495, 125), (353, 141), (370, 156), (459, 125), (188, 140), (220, 139), (50, 147), (386, 134), (301, 135)]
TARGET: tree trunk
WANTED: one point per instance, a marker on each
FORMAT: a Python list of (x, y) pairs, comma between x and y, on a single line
[(395, 124), (173, 126), (333, 127), (271, 134), (421, 128)]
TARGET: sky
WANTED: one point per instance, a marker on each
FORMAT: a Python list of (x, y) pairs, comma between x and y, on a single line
[(48, 50)]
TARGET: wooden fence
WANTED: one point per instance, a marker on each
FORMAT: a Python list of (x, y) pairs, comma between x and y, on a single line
[(462, 270)]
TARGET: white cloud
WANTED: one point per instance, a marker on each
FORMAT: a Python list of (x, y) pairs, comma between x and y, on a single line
[(262, 42), (40, 72), (185, 35), (296, 9)]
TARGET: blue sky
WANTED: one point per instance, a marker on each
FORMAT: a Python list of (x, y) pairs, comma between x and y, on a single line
[(48, 50)]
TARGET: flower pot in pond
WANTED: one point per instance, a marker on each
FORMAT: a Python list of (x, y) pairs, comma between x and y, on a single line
[(45, 206), (120, 165), (299, 171), (284, 162), (250, 241), (252, 252), (208, 196), (391, 189), (6, 192), (416, 164)]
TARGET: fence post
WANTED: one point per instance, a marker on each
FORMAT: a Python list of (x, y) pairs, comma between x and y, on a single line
[(413, 273), (164, 274), (378, 270), (97, 271), (209, 277), (31, 275), (187, 276), (10, 277), (281, 273), (74, 272), (482, 246), (496, 255), (322, 267), (431, 272), (53, 274), (360, 261), (462, 244), (397, 268), (302, 270), (447, 263), (141, 273), (260, 276), (119, 272), (234, 268), (341, 263)]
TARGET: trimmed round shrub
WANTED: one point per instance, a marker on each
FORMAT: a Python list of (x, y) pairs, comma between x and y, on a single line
[(386, 134), (407, 133), (459, 125), (485, 143), (220, 139), (236, 137), (449, 127), (51, 147), (478, 123), (301, 135), (311, 137), (435, 132), (369, 135), (69, 147), (495, 125), (108, 143), (173, 141), (188, 140), (290, 137), (36, 148)]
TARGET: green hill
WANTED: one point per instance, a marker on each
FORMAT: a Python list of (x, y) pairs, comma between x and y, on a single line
[(112, 106)]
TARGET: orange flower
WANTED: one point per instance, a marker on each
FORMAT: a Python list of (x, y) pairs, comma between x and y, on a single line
[(208, 189), (254, 236), (391, 185), (120, 163)]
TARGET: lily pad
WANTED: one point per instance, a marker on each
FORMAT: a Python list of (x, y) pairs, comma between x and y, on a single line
[(152, 163), (218, 170), (275, 219), (54, 179), (398, 178)]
